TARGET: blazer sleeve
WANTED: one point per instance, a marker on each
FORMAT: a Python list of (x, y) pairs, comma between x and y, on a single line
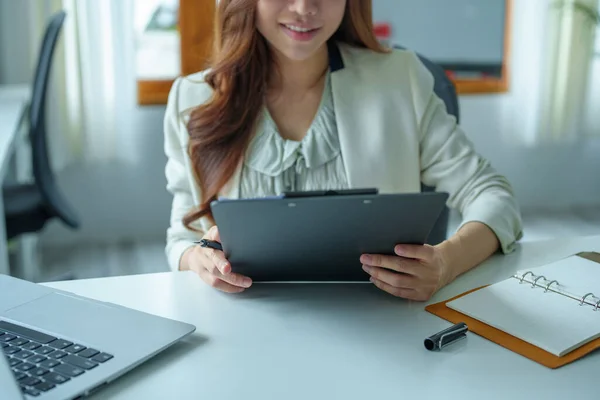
[(450, 163), (178, 237)]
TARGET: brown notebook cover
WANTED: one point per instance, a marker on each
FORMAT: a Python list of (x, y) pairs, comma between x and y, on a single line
[(510, 342)]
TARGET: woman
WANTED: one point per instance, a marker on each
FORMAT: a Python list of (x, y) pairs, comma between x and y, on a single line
[(300, 96)]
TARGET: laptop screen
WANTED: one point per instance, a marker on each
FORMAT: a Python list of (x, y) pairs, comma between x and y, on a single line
[(10, 389)]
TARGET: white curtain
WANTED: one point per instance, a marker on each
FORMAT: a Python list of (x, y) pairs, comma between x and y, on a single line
[(566, 72), (93, 91), (593, 100)]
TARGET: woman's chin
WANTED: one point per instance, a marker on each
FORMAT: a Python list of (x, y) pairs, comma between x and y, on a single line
[(301, 52)]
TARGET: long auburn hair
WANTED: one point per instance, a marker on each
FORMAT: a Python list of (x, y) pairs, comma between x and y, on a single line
[(221, 129)]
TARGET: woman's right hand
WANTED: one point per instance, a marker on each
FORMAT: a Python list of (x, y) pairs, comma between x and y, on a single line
[(212, 266)]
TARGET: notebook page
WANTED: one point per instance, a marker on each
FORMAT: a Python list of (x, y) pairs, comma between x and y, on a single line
[(575, 274), (550, 321)]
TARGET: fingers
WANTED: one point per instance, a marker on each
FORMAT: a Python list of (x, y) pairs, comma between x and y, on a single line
[(397, 280), (230, 282), (212, 260), (217, 260), (215, 270), (404, 293), (219, 284), (227, 282), (405, 266), (235, 279), (413, 273), (213, 234), (417, 252)]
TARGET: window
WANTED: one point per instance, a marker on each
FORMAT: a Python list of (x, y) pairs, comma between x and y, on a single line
[(173, 38), (158, 53)]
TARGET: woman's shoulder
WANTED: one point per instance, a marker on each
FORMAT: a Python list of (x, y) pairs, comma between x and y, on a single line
[(190, 91), (393, 58), (187, 93), (395, 65)]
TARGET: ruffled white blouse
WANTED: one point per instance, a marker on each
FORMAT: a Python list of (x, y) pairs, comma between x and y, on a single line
[(273, 165)]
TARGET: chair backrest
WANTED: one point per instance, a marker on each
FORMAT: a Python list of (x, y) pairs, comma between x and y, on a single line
[(446, 91), (42, 171), (54, 202)]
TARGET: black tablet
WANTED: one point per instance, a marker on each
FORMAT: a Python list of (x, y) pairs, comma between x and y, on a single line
[(320, 236)]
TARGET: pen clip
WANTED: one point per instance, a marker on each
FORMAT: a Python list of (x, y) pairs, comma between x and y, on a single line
[(453, 337), (446, 337)]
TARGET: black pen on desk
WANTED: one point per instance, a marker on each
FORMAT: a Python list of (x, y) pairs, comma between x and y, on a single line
[(210, 244), (446, 337)]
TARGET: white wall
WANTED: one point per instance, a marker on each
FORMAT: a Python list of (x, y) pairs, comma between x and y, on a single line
[(130, 200), (14, 61)]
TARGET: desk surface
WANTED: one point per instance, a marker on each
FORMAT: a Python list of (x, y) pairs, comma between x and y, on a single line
[(331, 341)]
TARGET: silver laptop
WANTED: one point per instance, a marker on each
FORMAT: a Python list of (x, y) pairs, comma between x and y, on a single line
[(61, 346)]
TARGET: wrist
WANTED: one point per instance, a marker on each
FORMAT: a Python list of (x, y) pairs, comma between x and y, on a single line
[(449, 252), (467, 248)]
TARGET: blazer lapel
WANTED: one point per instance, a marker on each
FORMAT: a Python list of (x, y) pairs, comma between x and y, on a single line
[(358, 122)]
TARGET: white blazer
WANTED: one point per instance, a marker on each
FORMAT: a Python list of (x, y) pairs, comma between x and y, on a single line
[(394, 134)]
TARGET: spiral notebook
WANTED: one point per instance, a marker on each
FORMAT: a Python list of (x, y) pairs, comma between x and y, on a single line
[(552, 307)]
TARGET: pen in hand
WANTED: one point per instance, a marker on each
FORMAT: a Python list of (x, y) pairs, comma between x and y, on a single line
[(211, 244)]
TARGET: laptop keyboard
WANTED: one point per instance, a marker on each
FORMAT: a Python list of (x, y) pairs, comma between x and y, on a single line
[(41, 362)]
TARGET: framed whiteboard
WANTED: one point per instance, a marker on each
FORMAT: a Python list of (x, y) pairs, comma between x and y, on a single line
[(468, 38)]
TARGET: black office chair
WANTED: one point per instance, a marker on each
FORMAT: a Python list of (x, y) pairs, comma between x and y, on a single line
[(29, 206), (446, 91)]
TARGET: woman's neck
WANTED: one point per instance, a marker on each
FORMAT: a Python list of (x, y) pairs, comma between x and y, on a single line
[(299, 75)]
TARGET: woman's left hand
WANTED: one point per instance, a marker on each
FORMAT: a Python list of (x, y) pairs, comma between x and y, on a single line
[(414, 273)]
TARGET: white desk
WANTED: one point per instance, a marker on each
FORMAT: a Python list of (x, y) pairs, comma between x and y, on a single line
[(331, 341), (13, 102)]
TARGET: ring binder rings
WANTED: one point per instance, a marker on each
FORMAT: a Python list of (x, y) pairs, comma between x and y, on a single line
[(557, 288), (525, 274), (550, 284), (534, 284), (585, 297), (543, 313)]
